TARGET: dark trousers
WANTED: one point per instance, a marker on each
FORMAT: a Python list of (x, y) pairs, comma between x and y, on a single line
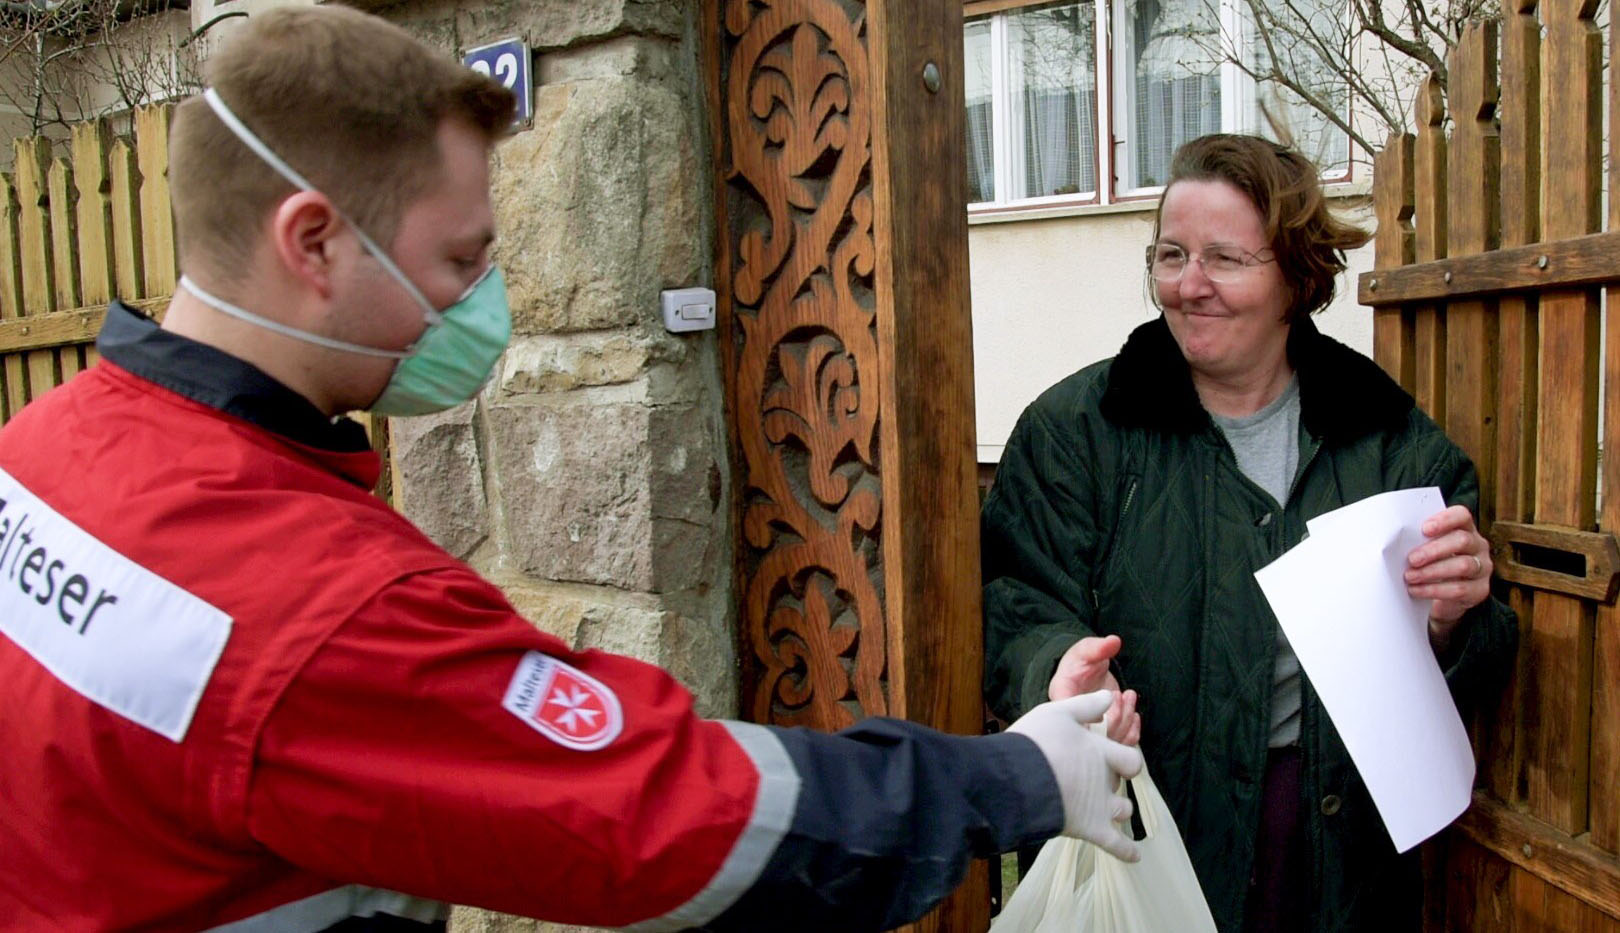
[(1281, 877)]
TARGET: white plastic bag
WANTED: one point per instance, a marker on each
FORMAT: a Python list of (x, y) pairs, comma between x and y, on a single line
[(1075, 887)]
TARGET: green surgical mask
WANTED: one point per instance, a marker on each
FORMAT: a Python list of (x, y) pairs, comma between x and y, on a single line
[(452, 359)]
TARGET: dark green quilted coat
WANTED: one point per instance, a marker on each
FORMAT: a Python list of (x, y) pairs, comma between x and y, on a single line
[(1119, 508)]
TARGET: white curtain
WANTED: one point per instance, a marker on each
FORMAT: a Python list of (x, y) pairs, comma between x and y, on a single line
[(1178, 84), (1054, 76)]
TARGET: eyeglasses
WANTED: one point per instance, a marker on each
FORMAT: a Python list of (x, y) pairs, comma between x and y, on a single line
[(1166, 262)]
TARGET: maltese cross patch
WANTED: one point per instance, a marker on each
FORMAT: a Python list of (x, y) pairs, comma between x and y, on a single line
[(564, 704)]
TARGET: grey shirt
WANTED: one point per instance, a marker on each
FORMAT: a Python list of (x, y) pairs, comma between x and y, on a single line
[(1267, 447)]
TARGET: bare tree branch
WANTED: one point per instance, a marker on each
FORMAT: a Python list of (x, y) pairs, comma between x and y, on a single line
[(80, 59), (1356, 64)]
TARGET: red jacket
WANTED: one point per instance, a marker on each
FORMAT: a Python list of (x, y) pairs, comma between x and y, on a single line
[(236, 685)]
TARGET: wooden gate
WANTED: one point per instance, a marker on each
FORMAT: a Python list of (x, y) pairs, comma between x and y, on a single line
[(76, 230), (1492, 284)]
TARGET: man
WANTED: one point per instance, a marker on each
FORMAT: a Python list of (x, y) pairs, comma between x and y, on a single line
[(240, 693)]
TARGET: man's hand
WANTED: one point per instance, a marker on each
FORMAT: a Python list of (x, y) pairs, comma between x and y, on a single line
[(1087, 767), (1084, 669)]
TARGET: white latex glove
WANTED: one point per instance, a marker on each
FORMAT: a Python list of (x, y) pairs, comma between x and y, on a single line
[(1087, 766)]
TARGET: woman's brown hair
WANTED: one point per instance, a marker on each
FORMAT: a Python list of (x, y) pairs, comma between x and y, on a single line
[(1286, 188)]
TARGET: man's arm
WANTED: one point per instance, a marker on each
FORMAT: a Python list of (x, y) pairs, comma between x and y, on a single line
[(396, 760)]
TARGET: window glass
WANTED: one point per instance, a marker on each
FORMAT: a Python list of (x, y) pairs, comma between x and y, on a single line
[(1174, 82), (981, 148), (1297, 28), (1053, 84), (1032, 78)]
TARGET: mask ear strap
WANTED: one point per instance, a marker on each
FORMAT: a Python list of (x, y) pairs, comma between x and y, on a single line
[(226, 308), (253, 142)]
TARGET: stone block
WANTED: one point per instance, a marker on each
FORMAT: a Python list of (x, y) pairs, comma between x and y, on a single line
[(609, 493), (554, 24), (439, 477), (455, 25), (559, 363), (575, 486), (702, 654), (601, 204), (473, 920)]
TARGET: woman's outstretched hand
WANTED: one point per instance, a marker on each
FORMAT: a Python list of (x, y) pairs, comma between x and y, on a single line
[(1083, 669)]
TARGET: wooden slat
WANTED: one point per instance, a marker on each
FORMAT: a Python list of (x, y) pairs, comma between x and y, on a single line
[(1596, 550), (64, 234), (124, 205), (1587, 260), (66, 328), (93, 210), (1564, 912), (70, 362), (1429, 163), (1517, 346), (38, 266), (1478, 897), (1604, 782), (42, 373), (34, 225), (157, 220), (1528, 896), (1394, 245), (1471, 173), (11, 300), (1528, 843), (1558, 714), (52, 329), (12, 382)]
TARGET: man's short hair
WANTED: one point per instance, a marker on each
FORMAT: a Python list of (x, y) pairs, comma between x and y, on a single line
[(352, 102)]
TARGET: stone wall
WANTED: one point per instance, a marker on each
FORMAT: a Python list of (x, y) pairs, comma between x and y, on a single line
[(590, 478)]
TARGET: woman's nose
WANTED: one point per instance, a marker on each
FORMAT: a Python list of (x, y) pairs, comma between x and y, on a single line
[(1193, 282)]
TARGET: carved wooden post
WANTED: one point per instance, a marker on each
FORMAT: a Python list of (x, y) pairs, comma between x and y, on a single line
[(845, 330)]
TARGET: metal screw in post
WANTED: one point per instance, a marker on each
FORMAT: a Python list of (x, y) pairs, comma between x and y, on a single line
[(1448, 278), (1541, 262), (931, 77)]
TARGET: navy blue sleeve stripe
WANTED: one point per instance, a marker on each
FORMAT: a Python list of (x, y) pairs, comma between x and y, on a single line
[(889, 814)]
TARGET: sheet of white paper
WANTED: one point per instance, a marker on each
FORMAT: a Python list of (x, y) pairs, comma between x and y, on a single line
[(1341, 598)]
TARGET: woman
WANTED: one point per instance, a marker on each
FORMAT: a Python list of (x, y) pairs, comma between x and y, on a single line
[(1137, 497)]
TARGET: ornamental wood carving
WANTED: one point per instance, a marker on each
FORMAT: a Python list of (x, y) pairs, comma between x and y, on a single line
[(797, 268)]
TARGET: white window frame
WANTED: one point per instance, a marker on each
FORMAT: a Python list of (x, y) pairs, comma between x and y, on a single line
[(1008, 173), (1114, 149)]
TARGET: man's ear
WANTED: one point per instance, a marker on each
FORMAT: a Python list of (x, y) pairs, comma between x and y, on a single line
[(303, 228)]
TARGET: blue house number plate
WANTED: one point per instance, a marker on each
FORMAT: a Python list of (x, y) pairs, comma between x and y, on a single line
[(506, 61)]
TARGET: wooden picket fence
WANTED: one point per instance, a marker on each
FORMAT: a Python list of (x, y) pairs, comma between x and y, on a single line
[(81, 222), (1488, 296)]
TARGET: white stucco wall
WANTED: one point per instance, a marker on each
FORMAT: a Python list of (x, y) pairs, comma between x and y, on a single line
[(1052, 295)]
